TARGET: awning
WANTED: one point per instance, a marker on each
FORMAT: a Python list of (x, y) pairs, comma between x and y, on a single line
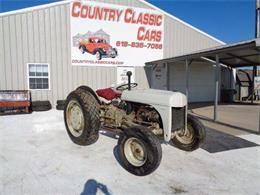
[(246, 53), (242, 54)]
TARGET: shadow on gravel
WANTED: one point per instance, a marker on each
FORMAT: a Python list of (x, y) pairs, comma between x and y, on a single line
[(92, 186), (217, 141), (222, 123), (116, 155)]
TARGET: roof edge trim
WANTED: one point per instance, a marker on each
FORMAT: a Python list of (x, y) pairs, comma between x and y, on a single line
[(19, 11), (27, 9), (181, 21)]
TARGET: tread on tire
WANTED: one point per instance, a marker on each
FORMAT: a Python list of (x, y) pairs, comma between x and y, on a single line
[(90, 108), (152, 147)]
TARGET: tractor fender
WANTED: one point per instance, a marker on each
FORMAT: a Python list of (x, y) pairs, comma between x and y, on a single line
[(86, 88), (166, 117)]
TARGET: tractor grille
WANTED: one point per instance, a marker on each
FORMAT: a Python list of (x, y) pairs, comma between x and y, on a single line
[(178, 118)]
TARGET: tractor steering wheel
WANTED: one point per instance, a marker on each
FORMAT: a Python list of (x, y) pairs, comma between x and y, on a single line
[(125, 86)]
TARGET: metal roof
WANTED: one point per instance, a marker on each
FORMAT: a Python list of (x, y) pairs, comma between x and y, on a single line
[(241, 54), (20, 11)]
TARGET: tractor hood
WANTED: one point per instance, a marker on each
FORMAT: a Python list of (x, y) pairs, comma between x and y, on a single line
[(155, 97)]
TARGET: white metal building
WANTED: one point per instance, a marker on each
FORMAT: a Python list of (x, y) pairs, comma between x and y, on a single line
[(35, 54)]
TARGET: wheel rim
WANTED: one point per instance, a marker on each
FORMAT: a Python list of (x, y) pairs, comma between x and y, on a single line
[(75, 118), (98, 55), (186, 137), (135, 152)]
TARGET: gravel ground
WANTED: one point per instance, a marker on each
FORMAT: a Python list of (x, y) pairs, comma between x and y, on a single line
[(37, 157)]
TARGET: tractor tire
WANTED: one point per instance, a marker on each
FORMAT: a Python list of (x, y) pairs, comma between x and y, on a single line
[(39, 106), (98, 55), (89, 90), (60, 107), (82, 48), (193, 139), (61, 102), (40, 103), (140, 150), (81, 116)]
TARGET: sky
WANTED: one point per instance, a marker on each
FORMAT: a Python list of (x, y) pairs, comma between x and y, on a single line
[(228, 20)]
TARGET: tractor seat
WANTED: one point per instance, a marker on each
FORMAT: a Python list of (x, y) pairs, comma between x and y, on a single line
[(108, 93)]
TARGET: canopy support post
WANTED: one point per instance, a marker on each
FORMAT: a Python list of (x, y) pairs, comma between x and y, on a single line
[(216, 88), (253, 83), (186, 92)]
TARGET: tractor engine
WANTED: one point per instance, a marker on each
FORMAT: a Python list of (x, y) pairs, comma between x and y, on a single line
[(147, 114), (122, 115)]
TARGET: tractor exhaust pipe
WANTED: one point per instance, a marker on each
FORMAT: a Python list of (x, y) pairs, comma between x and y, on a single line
[(129, 74)]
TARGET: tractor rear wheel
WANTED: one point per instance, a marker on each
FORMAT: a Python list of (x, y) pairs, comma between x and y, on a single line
[(192, 138), (82, 48), (139, 150), (98, 55), (81, 116), (89, 90)]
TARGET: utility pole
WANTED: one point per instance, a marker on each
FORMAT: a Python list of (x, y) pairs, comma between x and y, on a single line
[(257, 33), (257, 28)]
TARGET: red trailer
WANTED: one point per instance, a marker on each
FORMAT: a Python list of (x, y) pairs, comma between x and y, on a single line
[(15, 101)]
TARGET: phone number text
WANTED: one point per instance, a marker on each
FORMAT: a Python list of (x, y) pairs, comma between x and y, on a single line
[(138, 45)]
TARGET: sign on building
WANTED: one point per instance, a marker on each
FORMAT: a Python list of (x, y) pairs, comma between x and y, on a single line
[(111, 35), (122, 77), (159, 76), (257, 83)]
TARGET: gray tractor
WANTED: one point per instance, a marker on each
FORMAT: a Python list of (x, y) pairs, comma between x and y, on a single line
[(143, 118)]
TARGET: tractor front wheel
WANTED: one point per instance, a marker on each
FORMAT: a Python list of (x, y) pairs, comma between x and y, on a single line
[(82, 48), (140, 150), (192, 138)]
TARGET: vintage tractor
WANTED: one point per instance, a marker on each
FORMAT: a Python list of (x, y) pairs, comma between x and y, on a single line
[(144, 118)]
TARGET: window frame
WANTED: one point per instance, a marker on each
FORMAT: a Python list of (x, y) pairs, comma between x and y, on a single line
[(28, 76)]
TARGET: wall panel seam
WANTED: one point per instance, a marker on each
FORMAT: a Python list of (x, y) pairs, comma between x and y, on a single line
[(22, 52), (51, 68), (28, 57), (62, 64), (4, 53), (33, 45), (10, 51), (16, 56), (56, 55)]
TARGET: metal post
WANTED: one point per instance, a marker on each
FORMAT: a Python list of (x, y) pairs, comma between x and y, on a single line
[(253, 84), (257, 15), (259, 122), (187, 92), (216, 88), (257, 34), (232, 81)]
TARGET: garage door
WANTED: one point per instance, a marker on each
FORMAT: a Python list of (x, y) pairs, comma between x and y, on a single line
[(201, 81), (159, 76)]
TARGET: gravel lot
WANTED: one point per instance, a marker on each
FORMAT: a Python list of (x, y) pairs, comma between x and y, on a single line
[(37, 157)]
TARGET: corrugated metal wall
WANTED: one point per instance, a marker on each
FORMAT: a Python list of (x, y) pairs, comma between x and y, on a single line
[(201, 80), (181, 39), (43, 36)]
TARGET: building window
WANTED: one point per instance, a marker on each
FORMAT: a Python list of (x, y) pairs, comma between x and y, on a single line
[(38, 76)]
